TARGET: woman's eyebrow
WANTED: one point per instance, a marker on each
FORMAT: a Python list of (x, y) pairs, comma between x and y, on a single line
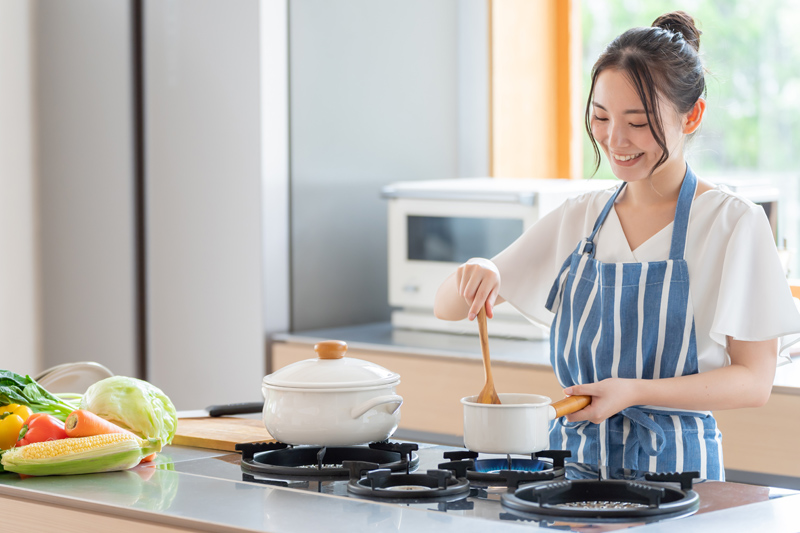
[(626, 112)]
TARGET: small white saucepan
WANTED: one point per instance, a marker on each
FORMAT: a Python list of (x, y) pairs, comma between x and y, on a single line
[(520, 424)]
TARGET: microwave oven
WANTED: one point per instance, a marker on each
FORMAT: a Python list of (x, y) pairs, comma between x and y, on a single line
[(434, 226)]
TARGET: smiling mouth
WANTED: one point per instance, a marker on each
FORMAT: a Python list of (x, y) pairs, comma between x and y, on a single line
[(627, 157)]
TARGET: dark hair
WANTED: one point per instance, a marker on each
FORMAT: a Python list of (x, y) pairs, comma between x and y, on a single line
[(663, 58)]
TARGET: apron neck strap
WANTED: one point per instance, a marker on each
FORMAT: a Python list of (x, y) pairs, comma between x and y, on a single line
[(589, 247), (681, 225)]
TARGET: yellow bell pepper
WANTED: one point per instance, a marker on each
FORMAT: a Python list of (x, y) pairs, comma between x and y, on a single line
[(9, 430), (12, 418), (22, 410)]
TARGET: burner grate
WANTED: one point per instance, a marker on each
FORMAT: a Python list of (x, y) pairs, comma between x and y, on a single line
[(319, 462), (382, 483), (540, 466), (594, 499)]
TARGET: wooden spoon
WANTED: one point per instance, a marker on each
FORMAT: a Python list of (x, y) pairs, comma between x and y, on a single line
[(488, 394)]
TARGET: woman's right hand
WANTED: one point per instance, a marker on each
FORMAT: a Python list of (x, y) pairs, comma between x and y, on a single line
[(478, 282)]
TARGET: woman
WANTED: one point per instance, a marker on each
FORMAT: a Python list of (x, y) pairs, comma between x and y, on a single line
[(674, 301)]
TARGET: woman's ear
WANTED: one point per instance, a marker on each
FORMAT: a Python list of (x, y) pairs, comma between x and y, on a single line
[(695, 117)]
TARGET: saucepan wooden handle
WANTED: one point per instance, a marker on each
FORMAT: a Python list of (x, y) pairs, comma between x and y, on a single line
[(570, 404)]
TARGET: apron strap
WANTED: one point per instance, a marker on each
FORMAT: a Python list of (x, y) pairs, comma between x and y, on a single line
[(682, 210), (643, 427), (589, 243)]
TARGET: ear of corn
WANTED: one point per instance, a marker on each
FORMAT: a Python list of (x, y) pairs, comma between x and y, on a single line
[(84, 455)]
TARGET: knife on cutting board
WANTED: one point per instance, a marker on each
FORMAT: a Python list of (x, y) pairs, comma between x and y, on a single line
[(224, 410), (210, 428)]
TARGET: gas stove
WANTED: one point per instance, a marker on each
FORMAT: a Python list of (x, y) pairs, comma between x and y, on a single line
[(544, 489)]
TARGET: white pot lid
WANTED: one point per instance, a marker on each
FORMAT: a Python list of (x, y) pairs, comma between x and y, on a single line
[(331, 370)]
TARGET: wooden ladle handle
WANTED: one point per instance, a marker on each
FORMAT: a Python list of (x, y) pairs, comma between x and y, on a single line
[(570, 404), (483, 332)]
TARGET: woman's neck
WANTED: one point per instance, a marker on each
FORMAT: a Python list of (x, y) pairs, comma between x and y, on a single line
[(663, 187)]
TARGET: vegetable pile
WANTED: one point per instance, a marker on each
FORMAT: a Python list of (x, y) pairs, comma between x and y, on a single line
[(15, 389), (133, 404), (118, 423)]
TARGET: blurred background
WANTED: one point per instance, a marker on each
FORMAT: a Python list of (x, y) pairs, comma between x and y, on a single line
[(181, 179)]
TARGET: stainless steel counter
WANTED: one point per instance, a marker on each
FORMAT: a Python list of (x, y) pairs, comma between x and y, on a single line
[(203, 490)]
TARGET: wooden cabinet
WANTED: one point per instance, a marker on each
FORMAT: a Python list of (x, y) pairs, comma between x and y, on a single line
[(45, 517), (762, 440)]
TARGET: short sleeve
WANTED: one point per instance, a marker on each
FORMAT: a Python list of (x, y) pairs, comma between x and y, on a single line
[(528, 267), (754, 302)]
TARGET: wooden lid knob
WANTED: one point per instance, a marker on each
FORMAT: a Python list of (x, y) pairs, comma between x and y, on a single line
[(330, 349)]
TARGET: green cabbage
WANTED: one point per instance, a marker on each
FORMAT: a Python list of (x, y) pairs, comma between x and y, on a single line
[(135, 405)]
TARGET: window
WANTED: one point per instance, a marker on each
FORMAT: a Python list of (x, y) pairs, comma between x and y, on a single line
[(751, 131)]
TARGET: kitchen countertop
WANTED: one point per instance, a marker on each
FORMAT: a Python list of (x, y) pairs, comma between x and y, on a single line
[(382, 336), (202, 490)]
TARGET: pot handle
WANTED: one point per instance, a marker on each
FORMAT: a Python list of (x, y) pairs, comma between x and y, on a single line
[(359, 410), (568, 405)]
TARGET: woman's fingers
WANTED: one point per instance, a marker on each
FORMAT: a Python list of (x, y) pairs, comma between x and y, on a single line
[(609, 397), (483, 292), (491, 300), (478, 285), (467, 283), (580, 416), (590, 411)]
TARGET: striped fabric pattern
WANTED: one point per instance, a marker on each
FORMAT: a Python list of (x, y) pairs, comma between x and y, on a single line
[(631, 320)]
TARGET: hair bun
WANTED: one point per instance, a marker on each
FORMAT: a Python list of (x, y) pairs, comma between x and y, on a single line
[(682, 23)]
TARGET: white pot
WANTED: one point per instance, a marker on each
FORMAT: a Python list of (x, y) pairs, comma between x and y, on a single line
[(519, 424), (331, 401)]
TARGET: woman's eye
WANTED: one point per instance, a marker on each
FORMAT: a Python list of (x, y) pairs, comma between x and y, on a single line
[(639, 125), (600, 119)]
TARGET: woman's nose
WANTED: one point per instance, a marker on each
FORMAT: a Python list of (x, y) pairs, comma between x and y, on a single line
[(617, 135)]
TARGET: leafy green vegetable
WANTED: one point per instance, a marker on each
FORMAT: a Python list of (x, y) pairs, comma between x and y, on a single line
[(25, 391), (135, 405)]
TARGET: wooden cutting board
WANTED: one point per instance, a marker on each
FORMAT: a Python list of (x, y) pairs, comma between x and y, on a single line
[(219, 433)]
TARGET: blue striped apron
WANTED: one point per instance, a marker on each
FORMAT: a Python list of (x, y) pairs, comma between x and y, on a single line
[(631, 320)]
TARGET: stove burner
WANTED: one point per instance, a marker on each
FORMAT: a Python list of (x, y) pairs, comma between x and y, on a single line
[(277, 459), (497, 469), (382, 483), (593, 499)]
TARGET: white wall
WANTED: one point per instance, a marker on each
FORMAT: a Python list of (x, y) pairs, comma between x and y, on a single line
[(473, 88), (203, 188), (19, 320), (85, 162), (274, 86), (374, 99)]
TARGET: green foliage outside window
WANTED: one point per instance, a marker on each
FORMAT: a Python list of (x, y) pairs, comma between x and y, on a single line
[(751, 49)]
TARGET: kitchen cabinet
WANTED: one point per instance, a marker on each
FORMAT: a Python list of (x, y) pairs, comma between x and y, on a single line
[(26, 515), (761, 441), (194, 233)]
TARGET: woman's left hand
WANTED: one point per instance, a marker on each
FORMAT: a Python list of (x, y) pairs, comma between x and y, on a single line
[(609, 397)]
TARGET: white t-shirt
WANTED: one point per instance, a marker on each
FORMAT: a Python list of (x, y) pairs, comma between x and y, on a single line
[(737, 284)]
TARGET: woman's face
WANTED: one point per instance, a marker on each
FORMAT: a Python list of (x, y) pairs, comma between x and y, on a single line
[(619, 125)]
